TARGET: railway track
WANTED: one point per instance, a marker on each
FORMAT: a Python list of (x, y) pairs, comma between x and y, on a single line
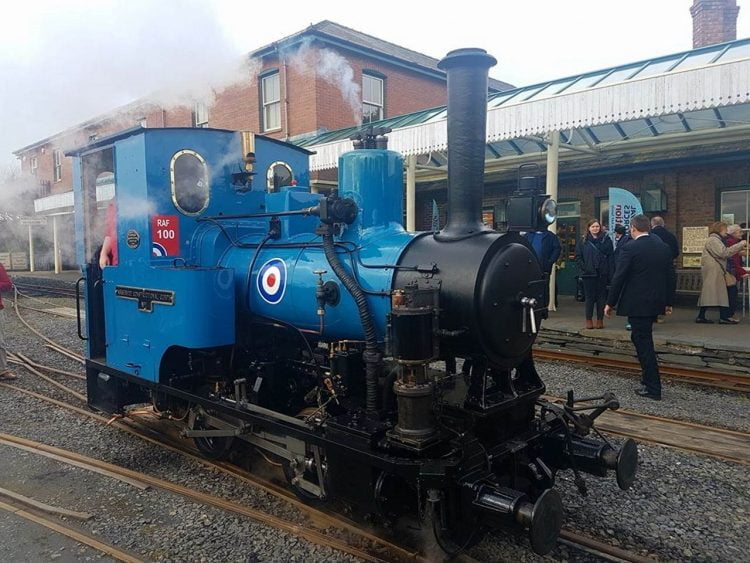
[(28, 288), (22, 510), (648, 430), (708, 378), (144, 429)]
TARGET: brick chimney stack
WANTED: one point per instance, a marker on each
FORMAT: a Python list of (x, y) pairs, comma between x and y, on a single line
[(714, 21)]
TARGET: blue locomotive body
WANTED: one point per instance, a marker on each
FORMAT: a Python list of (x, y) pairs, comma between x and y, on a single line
[(186, 278), (220, 289)]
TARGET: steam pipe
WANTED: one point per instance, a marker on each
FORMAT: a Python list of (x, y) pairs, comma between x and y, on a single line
[(467, 132)]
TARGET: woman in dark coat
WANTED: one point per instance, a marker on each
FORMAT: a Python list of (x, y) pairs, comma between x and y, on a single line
[(594, 257)]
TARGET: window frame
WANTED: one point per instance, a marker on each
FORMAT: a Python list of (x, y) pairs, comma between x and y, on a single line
[(57, 165), (720, 194), (266, 104), (381, 79), (200, 108), (270, 187), (173, 186), (33, 165)]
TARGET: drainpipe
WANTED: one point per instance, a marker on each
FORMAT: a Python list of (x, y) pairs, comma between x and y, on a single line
[(286, 97)]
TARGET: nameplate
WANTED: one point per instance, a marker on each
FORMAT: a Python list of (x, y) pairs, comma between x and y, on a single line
[(146, 298)]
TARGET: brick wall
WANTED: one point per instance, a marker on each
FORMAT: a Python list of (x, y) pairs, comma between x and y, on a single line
[(714, 21)]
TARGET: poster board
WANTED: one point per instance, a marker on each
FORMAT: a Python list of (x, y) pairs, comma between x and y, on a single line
[(694, 239), (5, 260), (691, 260), (19, 261)]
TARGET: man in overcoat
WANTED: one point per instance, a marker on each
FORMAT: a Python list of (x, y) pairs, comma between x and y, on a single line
[(642, 288)]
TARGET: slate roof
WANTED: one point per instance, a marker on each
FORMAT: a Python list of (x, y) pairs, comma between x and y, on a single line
[(335, 33)]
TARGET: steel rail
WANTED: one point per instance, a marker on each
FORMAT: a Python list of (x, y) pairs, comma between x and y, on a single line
[(164, 441), (313, 513), (598, 547), (565, 535), (61, 291), (695, 376), (54, 345), (287, 526), (17, 508), (27, 364)]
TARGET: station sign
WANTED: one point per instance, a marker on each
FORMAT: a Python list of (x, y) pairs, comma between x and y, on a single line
[(42, 220)]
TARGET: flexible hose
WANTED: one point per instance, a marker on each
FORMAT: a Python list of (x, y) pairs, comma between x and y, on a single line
[(371, 356)]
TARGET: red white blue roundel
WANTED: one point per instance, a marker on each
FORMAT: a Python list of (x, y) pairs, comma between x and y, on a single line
[(272, 281)]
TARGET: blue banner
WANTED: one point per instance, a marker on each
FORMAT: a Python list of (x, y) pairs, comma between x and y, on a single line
[(623, 206)]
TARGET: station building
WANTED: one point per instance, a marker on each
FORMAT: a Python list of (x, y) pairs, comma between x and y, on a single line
[(672, 130)]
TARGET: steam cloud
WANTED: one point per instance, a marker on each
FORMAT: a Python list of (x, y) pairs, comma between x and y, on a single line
[(331, 67)]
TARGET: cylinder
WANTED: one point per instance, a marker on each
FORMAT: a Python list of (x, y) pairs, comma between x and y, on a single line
[(467, 131), (411, 334), (415, 420)]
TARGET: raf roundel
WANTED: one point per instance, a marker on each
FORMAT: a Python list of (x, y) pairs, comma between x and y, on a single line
[(272, 281)]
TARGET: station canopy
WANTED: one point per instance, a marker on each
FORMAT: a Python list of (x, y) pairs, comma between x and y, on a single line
[(668, 100)]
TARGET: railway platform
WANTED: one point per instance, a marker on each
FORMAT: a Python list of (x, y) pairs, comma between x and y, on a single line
[(679, 341)]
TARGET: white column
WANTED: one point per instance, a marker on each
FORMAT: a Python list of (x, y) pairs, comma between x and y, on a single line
[(31, 250), (55, 245), (553, 154), (411, 193)]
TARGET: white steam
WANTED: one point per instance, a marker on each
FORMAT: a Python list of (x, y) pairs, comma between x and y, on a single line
[(309, 59), (66, 63)]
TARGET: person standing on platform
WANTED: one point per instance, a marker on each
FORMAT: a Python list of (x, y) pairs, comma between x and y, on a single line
[(658, 229), (594, 256), (622, 237), (714, 281), (734, 267), (642, 288), (5, 285), (547, 248)]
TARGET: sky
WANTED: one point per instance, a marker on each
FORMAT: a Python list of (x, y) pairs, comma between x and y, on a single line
[(62, 63)]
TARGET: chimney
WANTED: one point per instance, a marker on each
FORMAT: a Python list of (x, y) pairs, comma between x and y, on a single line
[(714, 21)]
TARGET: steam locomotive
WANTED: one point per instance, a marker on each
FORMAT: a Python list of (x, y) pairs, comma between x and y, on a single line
[(310, 326)]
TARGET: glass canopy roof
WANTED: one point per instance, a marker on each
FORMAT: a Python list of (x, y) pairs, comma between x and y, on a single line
[(600, 134)]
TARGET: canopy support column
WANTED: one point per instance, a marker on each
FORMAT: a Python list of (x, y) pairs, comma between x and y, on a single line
[(56, 245), (31, 250), (411, 193), (553, 159)]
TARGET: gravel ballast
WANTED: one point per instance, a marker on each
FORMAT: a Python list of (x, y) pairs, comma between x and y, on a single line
[(682, 506)]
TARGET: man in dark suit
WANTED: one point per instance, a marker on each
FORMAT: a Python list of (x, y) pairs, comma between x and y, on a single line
[(658, 229), (643, 287)]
